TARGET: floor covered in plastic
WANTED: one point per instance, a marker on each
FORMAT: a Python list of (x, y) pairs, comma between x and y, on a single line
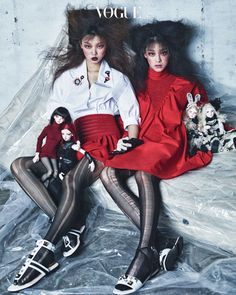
[(108, 246)]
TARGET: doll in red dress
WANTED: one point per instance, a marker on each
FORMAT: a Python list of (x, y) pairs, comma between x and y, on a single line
[(51, 134)]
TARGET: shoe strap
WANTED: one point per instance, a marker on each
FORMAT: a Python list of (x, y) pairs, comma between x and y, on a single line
[(46, 244), (30, 262), (77, 232), (162, 254)]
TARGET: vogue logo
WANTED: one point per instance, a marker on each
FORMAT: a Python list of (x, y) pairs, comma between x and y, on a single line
[(119, 12)]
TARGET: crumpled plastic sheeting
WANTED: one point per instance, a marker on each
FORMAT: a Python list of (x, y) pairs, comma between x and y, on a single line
[(25, 117), (108, 246), (200, 205)]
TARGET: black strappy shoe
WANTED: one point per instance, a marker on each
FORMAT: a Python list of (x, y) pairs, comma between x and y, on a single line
[(149, 266), (71, 241), (39, 263), (169, 255)]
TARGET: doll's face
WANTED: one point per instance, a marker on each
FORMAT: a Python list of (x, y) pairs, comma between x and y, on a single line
[(66, 134), (94, 48), (209, 112), (59, 119), (192, 112), (157, 56)]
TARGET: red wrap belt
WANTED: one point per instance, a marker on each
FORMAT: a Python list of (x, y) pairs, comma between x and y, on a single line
[(98, 135)]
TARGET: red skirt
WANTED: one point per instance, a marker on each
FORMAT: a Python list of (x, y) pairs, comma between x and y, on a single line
[(98, 135)]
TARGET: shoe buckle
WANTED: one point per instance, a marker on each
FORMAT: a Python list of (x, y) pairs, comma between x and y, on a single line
[(66, 241)]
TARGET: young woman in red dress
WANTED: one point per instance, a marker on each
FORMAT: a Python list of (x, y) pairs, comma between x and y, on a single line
[(162, 91)]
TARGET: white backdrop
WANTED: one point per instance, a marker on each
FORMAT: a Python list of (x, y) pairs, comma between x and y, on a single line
[(28, 27)]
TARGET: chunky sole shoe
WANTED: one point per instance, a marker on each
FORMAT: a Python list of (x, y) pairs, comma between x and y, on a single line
[(169, 256), (34, 268), (72, 241)]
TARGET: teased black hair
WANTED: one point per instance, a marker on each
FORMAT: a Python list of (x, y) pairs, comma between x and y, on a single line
[(82, 22), (174, 35)]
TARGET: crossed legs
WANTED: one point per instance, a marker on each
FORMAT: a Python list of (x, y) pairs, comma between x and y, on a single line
[(144, 213), (41, 260)]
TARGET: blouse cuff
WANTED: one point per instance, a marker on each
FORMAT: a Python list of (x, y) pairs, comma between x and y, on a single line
[(130, 121)]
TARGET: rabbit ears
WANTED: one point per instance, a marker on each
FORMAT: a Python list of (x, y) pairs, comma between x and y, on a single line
[(192, 101)]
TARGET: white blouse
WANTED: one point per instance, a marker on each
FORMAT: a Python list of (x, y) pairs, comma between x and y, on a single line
[(111, 94)]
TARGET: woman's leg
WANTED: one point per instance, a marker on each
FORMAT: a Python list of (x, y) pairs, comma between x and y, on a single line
[(114, 181), (28, 175), (73, 184), (41, 261), (146, 260), (150, 201)]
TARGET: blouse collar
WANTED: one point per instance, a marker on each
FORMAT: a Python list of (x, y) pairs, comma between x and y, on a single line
[(79, 74)]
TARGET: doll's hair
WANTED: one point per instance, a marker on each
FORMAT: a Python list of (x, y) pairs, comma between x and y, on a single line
[(203, 116), (82, 22), (173, 35), (70, 127), (63, 112)]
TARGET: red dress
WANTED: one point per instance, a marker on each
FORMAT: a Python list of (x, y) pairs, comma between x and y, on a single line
[(52, 133), (164, 152)]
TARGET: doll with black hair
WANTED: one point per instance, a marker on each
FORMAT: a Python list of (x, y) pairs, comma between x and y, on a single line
[(49, 140)]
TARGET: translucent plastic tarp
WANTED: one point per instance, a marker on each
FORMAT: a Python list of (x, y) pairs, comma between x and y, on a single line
[(108, 246), (199, 205)]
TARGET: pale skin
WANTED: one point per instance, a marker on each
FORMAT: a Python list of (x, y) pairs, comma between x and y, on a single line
[(94, 49), (157, 56)]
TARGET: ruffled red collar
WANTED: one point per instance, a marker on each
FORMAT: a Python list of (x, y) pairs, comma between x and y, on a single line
[(157, 75)]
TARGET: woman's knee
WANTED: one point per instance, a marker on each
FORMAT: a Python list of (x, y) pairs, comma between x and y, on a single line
[(70, 190), (19, 164), (139, 175), (107, 174)]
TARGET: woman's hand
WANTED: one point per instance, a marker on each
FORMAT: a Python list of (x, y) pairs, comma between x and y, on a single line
[(125, 144), (122, 145), (36, 158)]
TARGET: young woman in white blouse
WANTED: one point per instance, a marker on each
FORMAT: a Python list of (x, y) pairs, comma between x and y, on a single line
[(90, 83)]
